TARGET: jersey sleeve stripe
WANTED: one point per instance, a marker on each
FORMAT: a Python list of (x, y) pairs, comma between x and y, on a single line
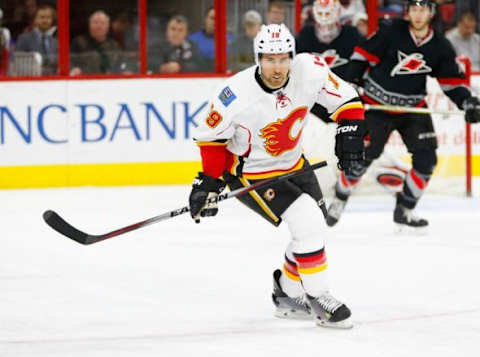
[(352, 110), (453, 81), (361, 54), (211, 143)]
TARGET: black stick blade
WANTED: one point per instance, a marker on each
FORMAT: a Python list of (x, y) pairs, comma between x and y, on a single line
[(61, 226)]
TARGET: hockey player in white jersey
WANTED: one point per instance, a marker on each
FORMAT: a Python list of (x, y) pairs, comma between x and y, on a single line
[(254, 131)]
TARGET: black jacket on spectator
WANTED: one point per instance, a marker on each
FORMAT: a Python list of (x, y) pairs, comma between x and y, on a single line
[(186, 55), (95, 57)]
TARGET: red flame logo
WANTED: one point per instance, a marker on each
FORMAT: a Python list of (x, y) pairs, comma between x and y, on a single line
[(277, 135)]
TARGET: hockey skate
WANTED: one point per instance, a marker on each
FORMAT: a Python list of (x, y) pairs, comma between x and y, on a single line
[(287, 307), (330, 312), (407, 221), (335, 210)]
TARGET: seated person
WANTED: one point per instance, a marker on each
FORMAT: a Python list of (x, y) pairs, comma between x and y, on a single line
[(4, 47), (241, 54), (97, 52), (205, 40), (176, 53), (464, 39), (42, 39)]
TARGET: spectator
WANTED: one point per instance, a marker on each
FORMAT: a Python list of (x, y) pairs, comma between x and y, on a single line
[(205, 40), (276, 12), (121, 24), (241, 51), (466, 5), (464, 39), (348, 9), (96, 52), (42, 38), (177, 53), (360, 21), (22, 18), (5, 39)]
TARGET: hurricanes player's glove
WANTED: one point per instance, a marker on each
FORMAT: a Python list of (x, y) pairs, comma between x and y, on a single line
[(472, 110), (349, 147), (203, 188)]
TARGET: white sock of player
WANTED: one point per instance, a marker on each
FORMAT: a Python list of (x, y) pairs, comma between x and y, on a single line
[(290, 279), (308, 232)]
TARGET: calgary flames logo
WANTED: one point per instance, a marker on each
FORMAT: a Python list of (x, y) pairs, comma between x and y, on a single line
[(278, 135)]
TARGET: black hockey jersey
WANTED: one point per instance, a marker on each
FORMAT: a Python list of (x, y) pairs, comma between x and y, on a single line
[(399, 65), (336, 53)]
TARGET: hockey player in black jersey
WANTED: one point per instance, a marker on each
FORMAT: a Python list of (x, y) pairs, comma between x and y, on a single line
[(398, 58)]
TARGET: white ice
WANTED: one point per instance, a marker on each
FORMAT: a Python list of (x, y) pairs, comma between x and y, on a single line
[(180, 289)]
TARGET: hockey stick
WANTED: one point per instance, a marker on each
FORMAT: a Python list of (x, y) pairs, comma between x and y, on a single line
[(55, 221), (398, 108)]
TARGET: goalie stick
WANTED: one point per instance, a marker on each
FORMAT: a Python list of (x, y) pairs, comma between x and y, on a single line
[(55, 221)]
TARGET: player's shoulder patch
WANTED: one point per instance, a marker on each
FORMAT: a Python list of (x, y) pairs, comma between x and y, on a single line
[(227, 96)]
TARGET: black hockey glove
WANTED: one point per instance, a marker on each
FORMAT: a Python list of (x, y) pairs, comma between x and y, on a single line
[(472, 110), (349, 147), (203, 188)]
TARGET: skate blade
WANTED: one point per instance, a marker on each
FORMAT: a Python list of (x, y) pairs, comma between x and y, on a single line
[(402, 229), (342, 325), (292, 315)]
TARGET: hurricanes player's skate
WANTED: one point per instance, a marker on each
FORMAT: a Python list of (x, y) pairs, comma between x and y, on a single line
[(254, 131)]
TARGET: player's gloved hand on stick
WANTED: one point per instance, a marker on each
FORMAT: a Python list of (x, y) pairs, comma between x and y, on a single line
[(472, 110), (203, 188), (349, 147)]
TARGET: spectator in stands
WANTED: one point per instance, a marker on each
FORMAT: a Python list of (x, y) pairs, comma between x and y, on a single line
[(42, 39), (96, 52), (464, 39), (121, 24), (360, 21), (205, 40), (348, 9), (177, 53), (276, 12), (241, 54), (467, 5), (5, 39)]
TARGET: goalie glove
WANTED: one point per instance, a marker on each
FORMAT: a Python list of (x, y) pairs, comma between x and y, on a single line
[(203, 188), (349, 147), (472, 110)]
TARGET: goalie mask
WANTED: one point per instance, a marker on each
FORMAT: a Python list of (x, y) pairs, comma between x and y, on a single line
[(326, 14), (273, 39)]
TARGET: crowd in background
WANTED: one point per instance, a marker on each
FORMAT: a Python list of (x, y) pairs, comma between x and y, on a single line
[(109, 41)]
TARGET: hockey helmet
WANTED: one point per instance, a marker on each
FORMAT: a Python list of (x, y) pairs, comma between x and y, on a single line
[(273, 39), (429, 3), (326, 12)]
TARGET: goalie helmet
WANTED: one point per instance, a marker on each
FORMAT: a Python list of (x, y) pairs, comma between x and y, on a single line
[(273, 39), (326, 14)]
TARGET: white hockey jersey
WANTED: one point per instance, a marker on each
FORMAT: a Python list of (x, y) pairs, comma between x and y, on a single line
[(263, 130)]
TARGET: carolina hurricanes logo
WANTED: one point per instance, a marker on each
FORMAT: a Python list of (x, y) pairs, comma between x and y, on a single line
[(410, 64), (280, 136), (332, 58)]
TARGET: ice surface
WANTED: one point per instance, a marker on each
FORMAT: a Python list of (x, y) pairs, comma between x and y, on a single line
[(180, 289)]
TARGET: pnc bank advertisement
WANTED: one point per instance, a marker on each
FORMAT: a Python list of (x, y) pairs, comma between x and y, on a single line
[(130, 131)]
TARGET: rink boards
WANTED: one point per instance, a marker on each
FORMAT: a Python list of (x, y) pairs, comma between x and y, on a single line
[(139, 131)]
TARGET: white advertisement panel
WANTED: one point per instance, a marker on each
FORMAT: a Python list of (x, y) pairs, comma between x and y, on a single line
[(102, 121)]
